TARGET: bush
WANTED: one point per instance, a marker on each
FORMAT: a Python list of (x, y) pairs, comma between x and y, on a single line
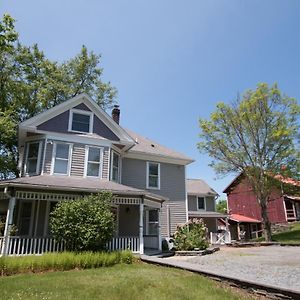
[(86, 224), (62, 261), (191, 235)]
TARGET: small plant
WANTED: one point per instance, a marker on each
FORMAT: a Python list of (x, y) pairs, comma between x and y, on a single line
[(191, 236)]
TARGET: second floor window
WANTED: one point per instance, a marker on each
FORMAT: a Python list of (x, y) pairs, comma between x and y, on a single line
[(93, 161), (201, 203), (32, 161), (115, 166), (61, 159), (153, 175)]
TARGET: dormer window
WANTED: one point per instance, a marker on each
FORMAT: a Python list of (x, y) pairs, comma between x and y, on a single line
[(81, 121), (33, 158)]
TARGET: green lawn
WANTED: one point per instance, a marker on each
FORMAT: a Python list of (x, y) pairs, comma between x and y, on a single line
[(292, 236), (136, 281)]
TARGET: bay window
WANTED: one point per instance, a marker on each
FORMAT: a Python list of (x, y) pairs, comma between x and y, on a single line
[(62, 158), (93, 162)]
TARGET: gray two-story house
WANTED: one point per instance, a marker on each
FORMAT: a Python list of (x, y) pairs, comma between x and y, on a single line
[(75, 149)]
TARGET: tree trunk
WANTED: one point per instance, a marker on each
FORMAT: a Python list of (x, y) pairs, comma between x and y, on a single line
[(266, 221)]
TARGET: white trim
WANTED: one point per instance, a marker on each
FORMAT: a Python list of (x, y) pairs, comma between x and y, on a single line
[(81, 112), (186, 197), (147, 175), (112, 153), (157, 157), (201, 209), (86, 157), (54, 157), (33, 122)]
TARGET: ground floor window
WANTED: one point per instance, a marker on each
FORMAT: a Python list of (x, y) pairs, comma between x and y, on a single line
[(151, 222)]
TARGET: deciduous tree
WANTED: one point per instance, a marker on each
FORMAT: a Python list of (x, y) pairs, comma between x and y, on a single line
[(255, 135), (31, 83)]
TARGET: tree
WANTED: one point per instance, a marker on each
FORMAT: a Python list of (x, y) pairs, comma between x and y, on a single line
[(84, 225), (222, 206), (30, 83), (256, 136)]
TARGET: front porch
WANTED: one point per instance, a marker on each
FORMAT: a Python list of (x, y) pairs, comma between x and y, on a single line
[(137, 222)]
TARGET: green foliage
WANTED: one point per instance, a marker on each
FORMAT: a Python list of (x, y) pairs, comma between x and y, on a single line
[(84, 225), (62, 261), (221, 206), (257, 135), (31, 83), (191, 235)]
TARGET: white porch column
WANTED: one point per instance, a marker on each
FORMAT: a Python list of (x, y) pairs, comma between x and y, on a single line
[(8, 223), (141, 231), (159, 230), (226, 222)]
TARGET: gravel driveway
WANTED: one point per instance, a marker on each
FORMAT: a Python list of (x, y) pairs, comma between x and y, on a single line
[(272, 265)]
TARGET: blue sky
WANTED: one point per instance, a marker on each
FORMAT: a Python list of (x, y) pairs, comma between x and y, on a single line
[(172, 61)]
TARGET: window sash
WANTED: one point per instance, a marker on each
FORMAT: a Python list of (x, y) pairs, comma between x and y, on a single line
[(115, 173), (93, 167), (201, 203), (32, 160), (61, 159), (153, 178)]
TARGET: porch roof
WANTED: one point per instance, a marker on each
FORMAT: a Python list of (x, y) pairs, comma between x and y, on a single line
[(77, 184), (206, 214), (242, 219), (293, 198)]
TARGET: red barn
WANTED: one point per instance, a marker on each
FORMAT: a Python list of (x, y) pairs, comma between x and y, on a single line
[(282, 208)]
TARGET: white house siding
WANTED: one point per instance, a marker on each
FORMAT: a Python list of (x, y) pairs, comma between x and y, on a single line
[(172, 186), (105, 170), (48, 158), (78, 157)]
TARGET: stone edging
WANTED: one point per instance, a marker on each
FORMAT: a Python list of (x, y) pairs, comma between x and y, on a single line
[(197, 252)]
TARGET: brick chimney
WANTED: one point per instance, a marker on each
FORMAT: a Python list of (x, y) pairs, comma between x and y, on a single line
[(115, 114)]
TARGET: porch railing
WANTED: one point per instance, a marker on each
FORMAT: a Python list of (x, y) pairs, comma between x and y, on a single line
[(124, 243), (26, 246), (220, 238)]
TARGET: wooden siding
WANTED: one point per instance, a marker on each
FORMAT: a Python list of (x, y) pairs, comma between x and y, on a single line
[(106, 164), (48, 158), (177, 215), (78, 158), (242, 201)]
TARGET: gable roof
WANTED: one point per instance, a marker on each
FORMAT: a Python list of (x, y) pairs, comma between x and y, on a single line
[(144, 146), (199, 187), (32, 123)]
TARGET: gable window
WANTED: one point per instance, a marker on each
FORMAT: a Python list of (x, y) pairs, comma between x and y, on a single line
[(153, 175), (62, 158), (201, 203), (33, 158), (81, 121), (115, 167), (93, 161)]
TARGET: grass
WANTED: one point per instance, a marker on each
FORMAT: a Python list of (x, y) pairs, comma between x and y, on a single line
[(135, 281), (292, 236), (289, 237), (62, 262)]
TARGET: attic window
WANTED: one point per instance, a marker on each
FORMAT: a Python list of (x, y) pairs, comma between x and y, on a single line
[(81, 121)]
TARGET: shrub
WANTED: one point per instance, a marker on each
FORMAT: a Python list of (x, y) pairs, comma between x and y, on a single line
[(191, 235), (62, 261), (86, 224)]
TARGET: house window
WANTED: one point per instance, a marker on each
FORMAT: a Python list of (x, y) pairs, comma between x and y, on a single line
[(153, 175), (115, 167), (33, 157), (81, 121), (62, 159), (93, 161), (151, 222), (201, 203)]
